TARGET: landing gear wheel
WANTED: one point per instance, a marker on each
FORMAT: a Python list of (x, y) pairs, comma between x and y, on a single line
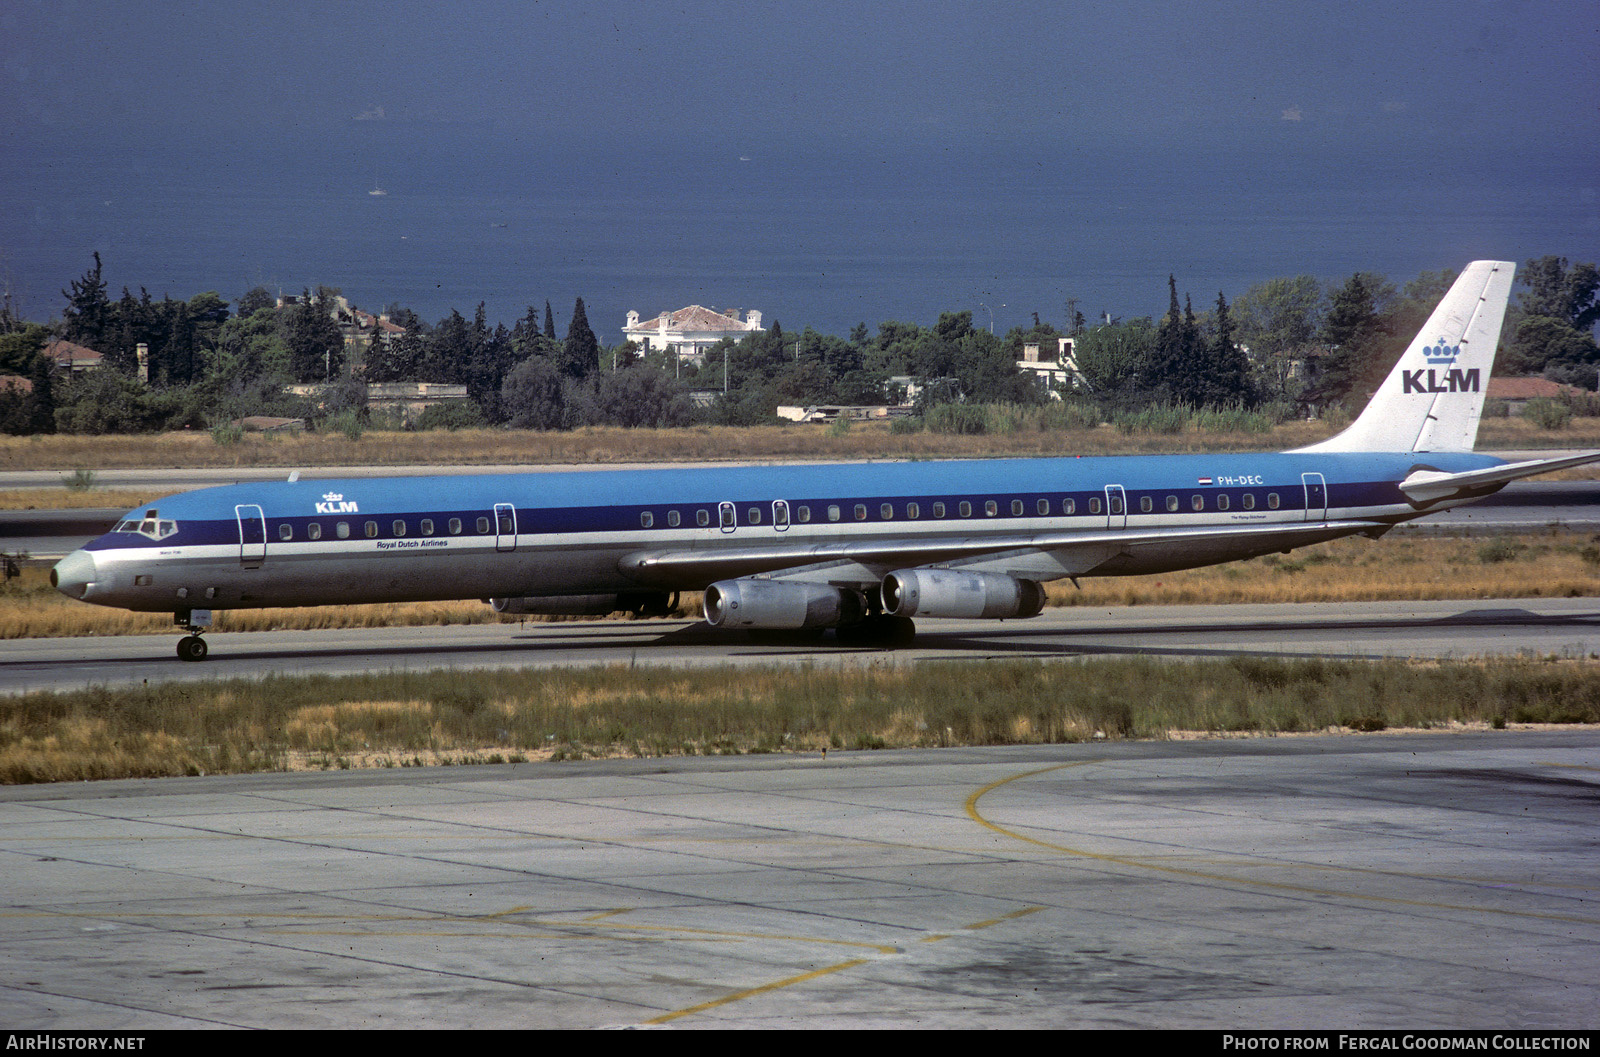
[(192, 648)]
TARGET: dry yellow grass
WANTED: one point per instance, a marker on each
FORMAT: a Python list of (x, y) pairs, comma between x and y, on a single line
[(610, 445)]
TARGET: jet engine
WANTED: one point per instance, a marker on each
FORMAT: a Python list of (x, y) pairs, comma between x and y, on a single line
[(649, 604), (786, 604), (952, 593)]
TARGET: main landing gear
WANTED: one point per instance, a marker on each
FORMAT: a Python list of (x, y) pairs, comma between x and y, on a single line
[(878, 629), (195, 621)]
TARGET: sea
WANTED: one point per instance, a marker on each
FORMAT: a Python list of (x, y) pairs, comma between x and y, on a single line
[(825, 239)]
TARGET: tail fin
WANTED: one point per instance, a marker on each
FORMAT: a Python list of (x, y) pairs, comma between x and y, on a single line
[(1433, 398)]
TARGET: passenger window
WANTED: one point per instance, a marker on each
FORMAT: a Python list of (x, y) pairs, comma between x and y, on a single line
[(646, 519), (861, 511), (1042, 506), (1172, 503), (1069, 506), (833, 513), (399, 527), (753, 515), (286, 531), (314, 530), (726, 516), (1197, 502), (1272, 500), (372, 529), (427, 526), (455, 526), (483, 526), (1145, 504), (674, 519), (1222, 500), (702, 517), (342, 530), (1249, 500), (507, 525), (938, 510), (990, 508), (1094, 505), (1016, 508), (803, 514), (886, 511), (913, 511), (966, 508), (1116, 503)]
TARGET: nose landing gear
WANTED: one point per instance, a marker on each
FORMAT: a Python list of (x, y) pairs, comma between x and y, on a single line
[(195, 621)]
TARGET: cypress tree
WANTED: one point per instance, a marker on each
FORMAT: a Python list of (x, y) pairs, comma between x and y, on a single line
[(581, 351)]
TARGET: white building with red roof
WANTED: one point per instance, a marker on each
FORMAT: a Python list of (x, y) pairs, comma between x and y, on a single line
[(689, 331)]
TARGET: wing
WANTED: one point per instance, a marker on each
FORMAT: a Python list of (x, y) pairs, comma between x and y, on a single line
[(863, 563)]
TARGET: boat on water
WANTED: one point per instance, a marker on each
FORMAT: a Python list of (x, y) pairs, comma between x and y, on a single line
[(377, 191)]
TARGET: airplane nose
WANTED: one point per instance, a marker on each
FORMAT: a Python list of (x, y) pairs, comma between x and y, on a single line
[(74, 575)]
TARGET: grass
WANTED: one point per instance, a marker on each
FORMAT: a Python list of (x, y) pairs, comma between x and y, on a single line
[(1402, 567), (1034, 432), (401, 719)]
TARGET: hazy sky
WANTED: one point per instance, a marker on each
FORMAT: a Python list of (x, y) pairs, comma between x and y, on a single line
[(1469, 77)]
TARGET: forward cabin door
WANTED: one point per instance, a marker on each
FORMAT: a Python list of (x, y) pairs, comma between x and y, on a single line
[(252, 533), (1116, 507), (780, 515), (1316, 496), (505, 527)]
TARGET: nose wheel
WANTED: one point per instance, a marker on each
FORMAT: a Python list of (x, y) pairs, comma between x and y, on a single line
[(192, 648)]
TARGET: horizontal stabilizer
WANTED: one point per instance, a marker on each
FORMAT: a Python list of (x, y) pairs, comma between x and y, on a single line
[(1426, 485)]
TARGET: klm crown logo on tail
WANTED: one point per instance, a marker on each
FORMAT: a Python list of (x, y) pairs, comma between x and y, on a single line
[(1441, 356)]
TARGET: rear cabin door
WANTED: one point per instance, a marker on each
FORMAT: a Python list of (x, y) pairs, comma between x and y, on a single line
[(780, 515), (1316, 496), (505, 527), (252, 532)]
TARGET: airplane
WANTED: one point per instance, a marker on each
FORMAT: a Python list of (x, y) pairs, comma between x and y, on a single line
[(863, 549)]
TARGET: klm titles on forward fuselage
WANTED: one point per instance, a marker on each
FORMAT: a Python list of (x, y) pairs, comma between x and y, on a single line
[(335, 503)]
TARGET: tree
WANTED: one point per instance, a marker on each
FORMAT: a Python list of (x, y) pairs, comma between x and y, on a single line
[(1117, 358), (1278, 321), (1353, 331), (580, 353), (88, 310), (1228, 369), (316, 348), (549, 322), (255, 300), (532, 396), (1554, 325)]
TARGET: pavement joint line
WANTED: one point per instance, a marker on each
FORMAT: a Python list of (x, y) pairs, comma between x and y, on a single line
[(1200, 875)]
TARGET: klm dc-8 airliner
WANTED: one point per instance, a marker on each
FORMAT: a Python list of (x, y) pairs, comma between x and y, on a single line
[(862, 549)]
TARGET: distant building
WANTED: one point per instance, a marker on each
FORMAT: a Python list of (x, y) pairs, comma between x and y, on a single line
[(1516, 392), (1058, 371), (14, 384), (689, 332), (68, 356)]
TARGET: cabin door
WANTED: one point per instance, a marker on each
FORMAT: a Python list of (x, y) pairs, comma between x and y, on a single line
[(1116, 507), (727, 517), (505, 527), (1316, 496), (780, 515), (252, 533)]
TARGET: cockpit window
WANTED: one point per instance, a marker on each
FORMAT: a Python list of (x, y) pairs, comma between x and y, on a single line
[(154, 528)]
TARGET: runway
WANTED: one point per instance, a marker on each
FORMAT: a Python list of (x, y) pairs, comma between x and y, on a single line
[(1561, 627), (1362, 882)]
